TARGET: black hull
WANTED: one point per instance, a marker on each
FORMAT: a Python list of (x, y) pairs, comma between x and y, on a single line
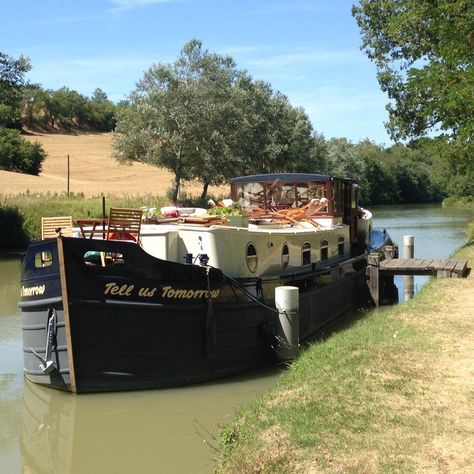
[(149, 323)]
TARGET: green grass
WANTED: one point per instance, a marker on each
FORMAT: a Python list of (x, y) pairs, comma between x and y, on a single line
[(359, 401), (334, 396)]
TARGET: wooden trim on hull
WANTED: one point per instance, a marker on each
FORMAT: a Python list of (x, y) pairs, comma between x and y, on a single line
[(64, 291)]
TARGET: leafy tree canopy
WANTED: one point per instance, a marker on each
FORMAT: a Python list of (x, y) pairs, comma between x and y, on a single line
[(424, 50), (203, 119), (180, 116), (12, 79)]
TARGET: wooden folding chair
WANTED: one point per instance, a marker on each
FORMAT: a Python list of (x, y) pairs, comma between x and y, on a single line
[(124, 224), (54, 226)]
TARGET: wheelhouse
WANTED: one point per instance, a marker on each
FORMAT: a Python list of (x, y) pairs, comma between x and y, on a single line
[(285, 190)]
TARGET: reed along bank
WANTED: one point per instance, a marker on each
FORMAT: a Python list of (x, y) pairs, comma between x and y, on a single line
[(392, 392)]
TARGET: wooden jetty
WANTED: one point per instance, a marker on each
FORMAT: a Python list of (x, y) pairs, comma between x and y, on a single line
[(380, 272)]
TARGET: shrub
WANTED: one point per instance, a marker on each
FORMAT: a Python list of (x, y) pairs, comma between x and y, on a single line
[(12, 235), (17, 154)]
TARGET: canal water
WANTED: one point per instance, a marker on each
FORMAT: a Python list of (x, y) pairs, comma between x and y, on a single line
[(438, 232), (169, 431)]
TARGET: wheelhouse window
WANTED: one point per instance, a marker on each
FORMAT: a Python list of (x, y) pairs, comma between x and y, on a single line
[(285, 255), (318, 191), (252, 258), (43, 259), (340, 246), (324, 250), (281, 195), (306, 254), (251, 195)]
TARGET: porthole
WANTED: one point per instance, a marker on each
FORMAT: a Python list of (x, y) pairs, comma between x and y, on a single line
[(285, 255), (252, 258), (324, 250), (306, 254), (340, 246)]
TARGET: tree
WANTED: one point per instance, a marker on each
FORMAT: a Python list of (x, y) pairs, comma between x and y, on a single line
[(99, 96), (203, 119), (424, 51), (12, 79), (378, 184), (17, 154), (273, 136), (181, 117), (100, 111), (33, 105), (343, 160), (317, 161)]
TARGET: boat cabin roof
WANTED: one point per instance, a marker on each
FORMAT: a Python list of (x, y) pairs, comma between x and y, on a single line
[(285, 177)]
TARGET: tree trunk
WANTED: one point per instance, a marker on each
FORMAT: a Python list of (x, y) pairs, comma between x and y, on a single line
[(175, 188), (177, 178), (204, 190)]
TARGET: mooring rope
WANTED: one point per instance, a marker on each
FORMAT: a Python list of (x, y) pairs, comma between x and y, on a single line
[(248, 294)]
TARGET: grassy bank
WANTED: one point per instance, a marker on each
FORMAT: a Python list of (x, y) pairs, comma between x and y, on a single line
[(460, 202), (464, 202), (392, 393)]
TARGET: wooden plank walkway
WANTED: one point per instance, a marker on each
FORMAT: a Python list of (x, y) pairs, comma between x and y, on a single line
[(380, 273), (448, 268)]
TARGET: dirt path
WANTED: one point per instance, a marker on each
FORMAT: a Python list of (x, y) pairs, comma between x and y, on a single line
[(92, 169), (451, 393)]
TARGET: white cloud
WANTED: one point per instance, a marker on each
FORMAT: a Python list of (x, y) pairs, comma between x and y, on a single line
[(129, 4)]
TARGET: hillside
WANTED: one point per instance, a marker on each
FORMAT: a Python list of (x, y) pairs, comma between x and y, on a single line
[(93, 170)]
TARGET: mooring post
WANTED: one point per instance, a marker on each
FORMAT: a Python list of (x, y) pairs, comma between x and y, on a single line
[(287, 302), (408, 246), (373, 273), (408, 280)]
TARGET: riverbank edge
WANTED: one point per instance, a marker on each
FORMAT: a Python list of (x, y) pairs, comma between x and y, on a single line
[(391, 393), (458, 202)]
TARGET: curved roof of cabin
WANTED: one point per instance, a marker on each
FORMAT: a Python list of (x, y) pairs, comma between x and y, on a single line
[(303, 177)]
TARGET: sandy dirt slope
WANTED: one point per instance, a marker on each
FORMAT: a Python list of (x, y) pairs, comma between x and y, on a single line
[(93, 170)]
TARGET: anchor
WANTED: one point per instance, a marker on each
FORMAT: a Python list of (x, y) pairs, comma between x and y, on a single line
[(47, 365)]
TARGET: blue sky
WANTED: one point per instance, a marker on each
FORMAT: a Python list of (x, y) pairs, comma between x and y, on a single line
[(307, 49)]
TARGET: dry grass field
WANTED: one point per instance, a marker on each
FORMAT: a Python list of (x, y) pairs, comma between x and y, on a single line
[(93, 170)]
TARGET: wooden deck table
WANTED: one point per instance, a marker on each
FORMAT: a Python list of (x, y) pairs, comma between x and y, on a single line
[(91, 226)]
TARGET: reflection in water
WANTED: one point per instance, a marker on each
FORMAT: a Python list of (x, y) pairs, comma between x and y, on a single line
[(146, 431), (409, 287), (11, 366)]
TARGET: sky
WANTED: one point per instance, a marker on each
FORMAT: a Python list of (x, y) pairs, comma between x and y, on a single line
[(309, 50)]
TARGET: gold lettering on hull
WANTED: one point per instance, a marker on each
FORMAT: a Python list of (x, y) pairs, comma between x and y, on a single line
[(170, 292), (32, 290), (116, 289)]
